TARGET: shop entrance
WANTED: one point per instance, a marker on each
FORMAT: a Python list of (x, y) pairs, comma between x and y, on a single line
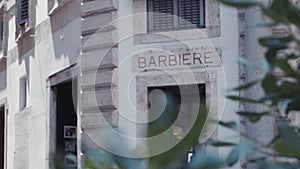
[(66, 127), (182, 105)]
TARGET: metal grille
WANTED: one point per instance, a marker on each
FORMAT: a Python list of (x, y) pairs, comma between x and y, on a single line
[(23, 6)]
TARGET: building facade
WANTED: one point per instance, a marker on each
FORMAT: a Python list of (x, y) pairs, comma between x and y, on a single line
[(71, 69)]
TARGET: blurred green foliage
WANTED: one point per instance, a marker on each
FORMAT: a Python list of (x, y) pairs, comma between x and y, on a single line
[(282, 97)]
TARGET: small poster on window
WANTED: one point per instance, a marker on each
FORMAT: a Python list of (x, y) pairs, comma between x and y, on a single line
[(69, 131), (70, 160), (70, 147)]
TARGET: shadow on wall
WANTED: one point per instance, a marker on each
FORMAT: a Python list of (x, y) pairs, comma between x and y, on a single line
[(3, 74), (66, 30), (25, 36)]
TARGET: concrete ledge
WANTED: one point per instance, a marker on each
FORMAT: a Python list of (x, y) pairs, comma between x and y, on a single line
[(98, 6)]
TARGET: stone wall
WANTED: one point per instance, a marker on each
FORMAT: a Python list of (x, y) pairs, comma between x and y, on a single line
[(98, 64)]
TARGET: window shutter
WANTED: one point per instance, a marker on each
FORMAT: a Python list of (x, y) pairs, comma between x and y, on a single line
[(191, 13), (163, 14), (23, 11), (162, 18)]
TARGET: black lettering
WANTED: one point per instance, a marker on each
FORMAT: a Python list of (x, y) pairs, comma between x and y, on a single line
[(172, 60), (180, 59), (152, 62), (197, 56), (162, 59), (184, 58), (142, 62), (206, 58)]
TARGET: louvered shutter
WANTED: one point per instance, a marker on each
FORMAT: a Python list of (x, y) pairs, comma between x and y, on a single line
[(23, 11), (191, 13), (162, 16)]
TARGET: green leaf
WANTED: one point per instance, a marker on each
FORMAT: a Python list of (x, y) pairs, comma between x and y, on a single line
[(273, 42), (233, 156), (253, 116), (237, 98), (294, 105), (216, 143), (271, 56), (90, 164), (294, 15), (240, 4), (269, 83), (285, 150), (270, 96), (283, 12), (288, 70), (257, 160), (289, 135), (231, 124), (178, 152), (278, 11), (287, 39), (288, 142), (245, 86), (288, 89)]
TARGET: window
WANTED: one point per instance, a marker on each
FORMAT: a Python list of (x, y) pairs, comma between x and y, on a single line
[(23, 12), (23, 93), (175, 14)]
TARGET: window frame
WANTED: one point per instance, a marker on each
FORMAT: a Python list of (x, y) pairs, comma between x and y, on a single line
[(142, 36), (176, 17)]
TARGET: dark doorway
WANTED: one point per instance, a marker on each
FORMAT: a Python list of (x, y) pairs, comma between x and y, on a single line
[(2, 136), (178, 97), (182, 106), (66, 127)]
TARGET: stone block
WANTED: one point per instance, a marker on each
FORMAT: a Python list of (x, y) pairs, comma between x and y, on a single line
[(99, 40), (99, 119), (100, 22), (102, 99), (97, 79), (97, 59)]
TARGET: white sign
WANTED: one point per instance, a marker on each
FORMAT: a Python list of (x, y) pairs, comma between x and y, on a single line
[(179, 59)]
